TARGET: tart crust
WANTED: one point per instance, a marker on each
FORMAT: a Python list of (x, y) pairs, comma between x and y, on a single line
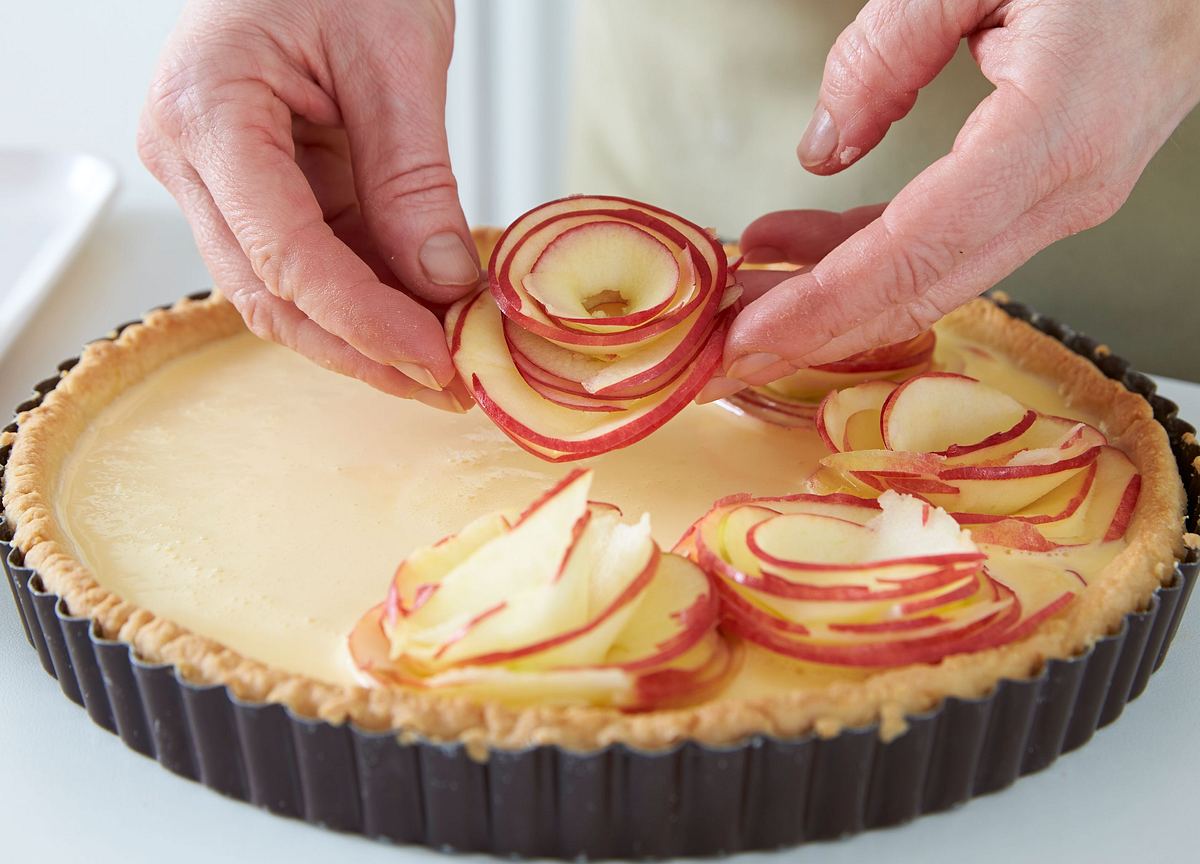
[(48, 433)]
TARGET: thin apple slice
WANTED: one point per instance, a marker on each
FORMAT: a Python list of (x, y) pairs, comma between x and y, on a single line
[(612, 271), (552, 431), (890, 363), (677, 610), (530, 554), (522, 244), (419, 575), (603, 319), (862, 406), (888, 358), (937, 411), (527, 601), (576, 618), (904, 585), (752, 402)]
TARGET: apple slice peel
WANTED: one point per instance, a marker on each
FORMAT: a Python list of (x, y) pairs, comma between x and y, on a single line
[(828, 599), (603, 318), (562, 603)]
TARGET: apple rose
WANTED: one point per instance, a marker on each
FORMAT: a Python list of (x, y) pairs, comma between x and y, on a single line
[(848, 581), (561, 604), (604, 319), (793, 400), (1020, 478)]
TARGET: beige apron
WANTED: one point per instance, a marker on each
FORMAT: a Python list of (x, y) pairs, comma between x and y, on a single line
[(697, 105)]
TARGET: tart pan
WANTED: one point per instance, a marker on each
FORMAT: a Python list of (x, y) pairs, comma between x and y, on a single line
[(763, 793)]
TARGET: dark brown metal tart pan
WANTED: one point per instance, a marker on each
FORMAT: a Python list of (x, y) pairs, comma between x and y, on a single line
[(763, 793)]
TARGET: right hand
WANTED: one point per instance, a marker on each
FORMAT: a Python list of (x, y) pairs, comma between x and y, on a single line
[(305, 141)]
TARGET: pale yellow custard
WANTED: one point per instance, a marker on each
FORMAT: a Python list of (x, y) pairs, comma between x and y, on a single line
[(292, 493)]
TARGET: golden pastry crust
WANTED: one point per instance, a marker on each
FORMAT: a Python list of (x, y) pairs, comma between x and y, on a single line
[(47, 434)]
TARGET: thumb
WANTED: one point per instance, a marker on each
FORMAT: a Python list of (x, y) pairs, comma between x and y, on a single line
[(394, 112), (872, 74)]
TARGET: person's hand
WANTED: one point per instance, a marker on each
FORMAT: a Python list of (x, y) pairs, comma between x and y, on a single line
[(1085, 95), (305, 141)]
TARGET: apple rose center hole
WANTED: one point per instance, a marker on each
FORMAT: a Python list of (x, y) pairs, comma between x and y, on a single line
[(606, 304)]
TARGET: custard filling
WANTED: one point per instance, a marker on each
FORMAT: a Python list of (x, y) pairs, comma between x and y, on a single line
[(263, 502)]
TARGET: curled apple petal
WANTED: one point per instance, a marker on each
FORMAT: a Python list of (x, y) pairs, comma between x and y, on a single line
[(847, 581), (563, 603), (793, 400), (604, 318), (980, 454)]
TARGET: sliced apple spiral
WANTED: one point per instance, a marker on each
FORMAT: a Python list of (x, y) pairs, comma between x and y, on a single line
[(841, 580), (793, 400), (604, 318), (562, 604), (1023, 479)]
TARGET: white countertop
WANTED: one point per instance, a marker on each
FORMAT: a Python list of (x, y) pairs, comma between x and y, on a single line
[(67, 786)]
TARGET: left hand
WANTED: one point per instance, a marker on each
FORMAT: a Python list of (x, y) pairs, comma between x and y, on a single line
[(1086, 93)]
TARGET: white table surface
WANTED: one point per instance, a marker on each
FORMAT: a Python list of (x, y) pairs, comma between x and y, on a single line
[(67, 786)]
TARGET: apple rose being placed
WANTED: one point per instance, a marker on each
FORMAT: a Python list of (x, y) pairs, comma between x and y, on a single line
[(1020, 478), (842, 580), (604, 319), (793, 399), (561, 604)]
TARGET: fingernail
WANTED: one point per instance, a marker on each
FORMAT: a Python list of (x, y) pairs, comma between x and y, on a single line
[(719, 388), (819, 139), (750, 364), (443, 400), (764, 255), (419, 374), (446, 261), (767, 374)]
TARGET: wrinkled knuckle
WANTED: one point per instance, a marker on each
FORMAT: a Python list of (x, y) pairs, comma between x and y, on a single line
[(916, 317), (1098, 205), (278, 259), (415, 185), (857, 68), (166, 100), (256, 312), (151, 149), (916, 264)]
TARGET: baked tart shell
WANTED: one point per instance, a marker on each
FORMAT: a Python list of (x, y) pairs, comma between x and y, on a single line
[(568, 782)]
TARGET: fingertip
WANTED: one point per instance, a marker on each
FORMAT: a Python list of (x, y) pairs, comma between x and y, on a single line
[(719, 387), (450, 266), (819, 141), (444, 400)]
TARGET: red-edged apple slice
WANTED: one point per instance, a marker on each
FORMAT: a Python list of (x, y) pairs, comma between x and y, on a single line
[(574, 619), (1098, 512), (997, 489), (526, 602), (1043, 433), (890, 363), (697, 674), (888, 358), (937, 411), (420, 575), (752, 403), (552, 431), (676, 611), (807, 541), (849, 419), (524, 252), (611, 271), (973, 627), (520, 247), (639, 373), (530, 554), (722, 547)]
